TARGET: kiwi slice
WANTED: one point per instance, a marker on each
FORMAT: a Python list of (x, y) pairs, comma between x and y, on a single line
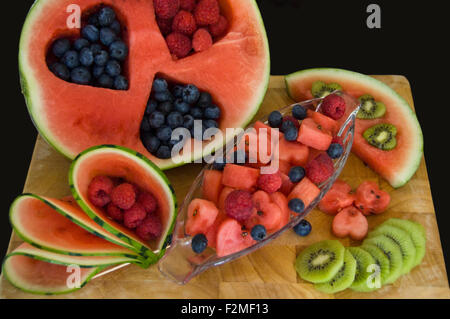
[(417, 233), (370, 109), (380, 259), (403, 240), (364, 274), (392, 251), (382, 136), (343, 279), (321, 261), (321, 89)]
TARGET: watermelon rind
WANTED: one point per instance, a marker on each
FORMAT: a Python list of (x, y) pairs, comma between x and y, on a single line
[(408, 170), (20, 284), (48, 246), (144, 250), (30, 90)]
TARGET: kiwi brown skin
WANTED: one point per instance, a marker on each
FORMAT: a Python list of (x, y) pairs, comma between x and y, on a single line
[(370, 109), (381, 136)]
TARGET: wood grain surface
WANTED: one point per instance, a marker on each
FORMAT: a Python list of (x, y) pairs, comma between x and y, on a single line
[(268, 272)]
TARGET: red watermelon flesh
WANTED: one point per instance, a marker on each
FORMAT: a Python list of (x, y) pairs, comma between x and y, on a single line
[(75, 117), (396, 166)]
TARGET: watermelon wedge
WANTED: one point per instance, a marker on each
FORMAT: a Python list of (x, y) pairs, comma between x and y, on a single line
[(397, 166), (135, 168), (72, 118)]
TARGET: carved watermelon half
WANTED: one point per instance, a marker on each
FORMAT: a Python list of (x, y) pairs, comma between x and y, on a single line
[(397, 166), (72, 118)]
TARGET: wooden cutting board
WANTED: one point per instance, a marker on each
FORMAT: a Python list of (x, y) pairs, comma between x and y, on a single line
[(268, 272)]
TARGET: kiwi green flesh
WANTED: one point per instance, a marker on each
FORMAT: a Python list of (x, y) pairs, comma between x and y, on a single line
[(417, 233), (370, 109), (403, 240), (364, 274), (392, 251), (343, 279), (381, 260), (320, 89), (321, 261), (381, 136)]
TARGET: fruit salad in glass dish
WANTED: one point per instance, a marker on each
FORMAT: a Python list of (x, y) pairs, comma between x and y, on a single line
[(262, 184)]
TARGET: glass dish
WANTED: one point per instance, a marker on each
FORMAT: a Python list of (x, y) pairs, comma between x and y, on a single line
[(181, 264)]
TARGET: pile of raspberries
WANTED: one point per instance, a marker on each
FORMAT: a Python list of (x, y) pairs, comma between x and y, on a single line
[(189, 25)]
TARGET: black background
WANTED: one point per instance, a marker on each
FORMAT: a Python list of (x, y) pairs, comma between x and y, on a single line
[(302, 34)]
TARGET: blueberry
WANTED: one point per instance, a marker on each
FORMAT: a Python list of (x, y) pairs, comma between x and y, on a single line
[(151, 143), (303, 228), (296, 174), (60, 47), (210, 124), (106, 16), (285, 125), (275, 119), (219, 164), (160, 85), (258, 232), (145, 125), (239, 157), (107, 36), (101, 58), (80, 44), (299, 112), (115, 26), (120, 83), (335, 150), (113, 68), (164, 133), (96, 48), (90, 32), (165, 107), (196, 112), (80, 75), (60, 70), (156, 119), (296, 205), (86, 57), (163, 152), (151, 107), (118, 50), (204, 100), (93, 19), (181, 106), (199, 243), (97, 71), (71, 59), (105, 81), (212, 112), (175, 141), (291, 134), (191, 94), (188, 121), (175, 119), (177, 91), (165, 96)]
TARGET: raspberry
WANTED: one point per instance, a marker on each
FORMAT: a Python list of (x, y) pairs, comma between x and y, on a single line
[(188, 5), (291, 119), (114, 212), (202, 40), (269, 183), (219, 28), (207, 12), (184, 22), (99, 191), (320, 168), (148, 201), (134, 216), (179, 44), (166, 9), (333, 106), (150, 228), (123, 196), (239, 205), (165, 25)]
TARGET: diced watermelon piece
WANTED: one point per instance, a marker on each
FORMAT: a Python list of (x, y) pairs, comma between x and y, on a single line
[(287, 185), (240, 177), (313, 135), (324, 121), (201, 215), (266, 213), (337, 198), (211, 233), (212, 185), (231, 238), (293, 152), (259, 125), (284, 166), (305, 190), (282, 202)]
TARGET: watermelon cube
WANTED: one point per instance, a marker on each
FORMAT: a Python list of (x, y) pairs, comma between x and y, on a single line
[(314, 135), (305, 190), (324, 121), (293, 152), (212, 185), (240, 177)]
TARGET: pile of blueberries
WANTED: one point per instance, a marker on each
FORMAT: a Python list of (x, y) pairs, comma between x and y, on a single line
[(175, 107), (96, 58)]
